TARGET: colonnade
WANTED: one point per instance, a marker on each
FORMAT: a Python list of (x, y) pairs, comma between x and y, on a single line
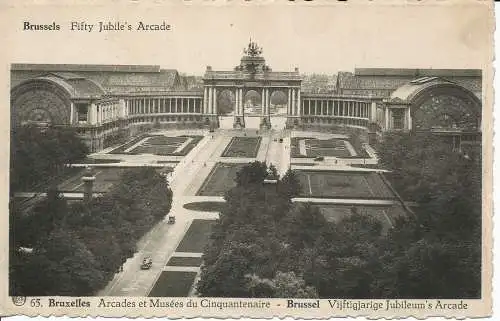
[(336, 107), (164, 105), (99, 112)]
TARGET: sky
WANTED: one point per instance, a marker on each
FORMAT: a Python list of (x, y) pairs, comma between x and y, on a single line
[(314, 38)]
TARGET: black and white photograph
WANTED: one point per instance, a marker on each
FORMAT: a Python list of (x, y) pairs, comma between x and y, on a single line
[(305, 155)]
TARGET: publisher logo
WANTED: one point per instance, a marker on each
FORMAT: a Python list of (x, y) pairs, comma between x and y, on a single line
[(19, 300)]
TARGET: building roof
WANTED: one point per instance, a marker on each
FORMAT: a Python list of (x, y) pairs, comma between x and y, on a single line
[(77, 87), (165, 78), (84, 67), (409, 91), (408, 72)]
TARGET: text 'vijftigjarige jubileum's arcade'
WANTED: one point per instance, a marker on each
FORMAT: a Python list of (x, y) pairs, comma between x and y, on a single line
[(96, 26), (336, 306)]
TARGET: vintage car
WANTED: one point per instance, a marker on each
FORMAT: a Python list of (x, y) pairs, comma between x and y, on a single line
[(171, 219), (147, 262)]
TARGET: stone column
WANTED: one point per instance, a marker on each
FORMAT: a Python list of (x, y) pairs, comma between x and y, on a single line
[(289, 102), (214, 109), (205, 100), (93, 113), (408, 113), (294, 102), (299, 103), (241, 102), (373, 112), (268, 101), (72, 113), (209, 106), (386, 117)]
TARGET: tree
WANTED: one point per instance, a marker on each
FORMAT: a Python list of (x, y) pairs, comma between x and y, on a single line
[(68, 267), (78, 248), (38, 155), (283, 285), (439, 253), (253, 173), (289, 185)]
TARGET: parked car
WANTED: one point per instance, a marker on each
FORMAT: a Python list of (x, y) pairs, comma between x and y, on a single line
[(319, 158)]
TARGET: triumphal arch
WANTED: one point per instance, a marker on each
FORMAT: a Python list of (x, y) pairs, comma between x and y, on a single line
[(252, 74)]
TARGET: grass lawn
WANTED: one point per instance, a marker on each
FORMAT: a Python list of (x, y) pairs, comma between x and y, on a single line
[(220, 179), (99, 161), (196, 237), (205, 206), (333, 147), (343, 184), (335, 213), (105, 178), (173, 284), (242, 147), (167, 146), (184, 261), (121, 149)]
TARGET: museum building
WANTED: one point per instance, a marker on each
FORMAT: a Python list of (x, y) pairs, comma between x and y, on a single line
[(107, 104)]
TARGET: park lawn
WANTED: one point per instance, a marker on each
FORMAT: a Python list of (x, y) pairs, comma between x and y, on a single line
[(205, 206), (173, 284), (184, 261), (196, 237), (166, 145), (335, 213), (343, 184), (99, 161), (105, 177), (121, 149), (220, 180), (329, 147), (246, 147), (333, 147)]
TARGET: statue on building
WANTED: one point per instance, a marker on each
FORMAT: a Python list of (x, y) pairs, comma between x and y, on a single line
[(253, 50)]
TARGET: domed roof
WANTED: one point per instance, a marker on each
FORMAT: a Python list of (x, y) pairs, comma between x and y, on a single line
[(76, 86)]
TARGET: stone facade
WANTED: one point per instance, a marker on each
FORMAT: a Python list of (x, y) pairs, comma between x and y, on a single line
[(108, 104)]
